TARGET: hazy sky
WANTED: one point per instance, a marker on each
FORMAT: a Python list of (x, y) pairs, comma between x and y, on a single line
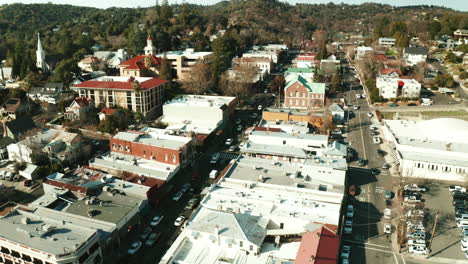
[(461, 5)]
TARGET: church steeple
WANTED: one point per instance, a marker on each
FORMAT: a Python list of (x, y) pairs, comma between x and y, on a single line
[(150, 48), (40, 55)]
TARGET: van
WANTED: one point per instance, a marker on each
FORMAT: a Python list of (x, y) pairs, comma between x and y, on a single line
[(213, 174)]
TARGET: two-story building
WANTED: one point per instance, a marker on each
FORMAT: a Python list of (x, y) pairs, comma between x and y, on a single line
[(140, 66), (390, 87), (301, 94), (415, 55), (80, 109), (387, 42), (183, 61)]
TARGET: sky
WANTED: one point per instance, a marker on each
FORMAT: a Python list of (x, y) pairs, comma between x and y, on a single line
[(461, 5)]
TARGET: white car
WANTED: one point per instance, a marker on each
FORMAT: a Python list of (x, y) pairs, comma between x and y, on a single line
[(419, 250), (350, 211), (228, 142), (356, 107), (414, 188), (156, 220), (358, 96), (418, 241), (464, 241), (453, 188), (260, 107), (413, 199), (370, 114), (134, 248), (387, 213), (463, 248), (417, 234), (387, 228), (373, 127), (363, 95), (345, 251), (466, 254), (179, 221), (348, 226), (376, 140), (239, 128)]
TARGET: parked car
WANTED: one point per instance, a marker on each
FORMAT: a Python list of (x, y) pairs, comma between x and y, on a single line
[(419, 250), (393, 105), (453, 188), (350, 210), (418, 241), (146, 233), (381, 153), (376, 140), (412, 199), (358, 96), (372, 127), (215, 158), (388, 194), (192, 203), (260, 107), (414, 188), (370, 114), (417, 234), (362, 162), (153, 237), (387, 213), (156, 220), (134, 248), (386, 166), (348, 226), (356, 107), (232, 148), (228, 142), (345, 251), (213, 174), (387, 228), (179, 220), (176, 197)]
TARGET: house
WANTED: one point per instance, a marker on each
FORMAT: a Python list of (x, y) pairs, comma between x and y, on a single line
[(313, 118), (319, 246), (17, 128), (306, 60), (461, 34), (80, 109), (329, 67), (57, 144), (183, 61), (362, 51), (299, 93), (141, 66), (391, 72), (415, 55), (5, 73), (4, 142), (14, 108), (337, 112), (306, 73), (336, 150), (51, 93), (265, 65), (90, 64), (396, 87), (387, 42), (139, 94), (112, 58), (108, 112)]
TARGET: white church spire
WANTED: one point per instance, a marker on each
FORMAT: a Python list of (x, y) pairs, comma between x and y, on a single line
[(150, 48), (40, 55)]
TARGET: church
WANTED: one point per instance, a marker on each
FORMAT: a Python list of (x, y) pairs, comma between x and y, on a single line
[(40, 56)]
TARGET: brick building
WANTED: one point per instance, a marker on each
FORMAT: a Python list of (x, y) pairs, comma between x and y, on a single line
[(301, 94), (275, 114)]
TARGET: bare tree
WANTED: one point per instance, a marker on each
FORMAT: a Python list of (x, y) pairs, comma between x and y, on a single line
[(199, 79), (240, 83)]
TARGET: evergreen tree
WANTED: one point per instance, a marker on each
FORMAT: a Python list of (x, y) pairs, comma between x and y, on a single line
[(165, 72), (335, 81), (223, 50), (17, 60)]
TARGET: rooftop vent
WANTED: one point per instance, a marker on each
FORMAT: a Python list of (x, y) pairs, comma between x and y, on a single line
[(25, 220)]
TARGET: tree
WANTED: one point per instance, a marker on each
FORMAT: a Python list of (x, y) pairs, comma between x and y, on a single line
[(444, 80), (278, 83), (165, 72), (451, 57), (66, 71), (223, 48), (381, 29), (399, 30), (240, 83), (335, 81), (199, 79), (136, 86)]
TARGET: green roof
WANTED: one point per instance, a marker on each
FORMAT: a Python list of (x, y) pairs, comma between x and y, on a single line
[(312, 87), (300, 70)]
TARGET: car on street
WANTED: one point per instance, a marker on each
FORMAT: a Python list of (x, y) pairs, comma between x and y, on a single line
[(179, 220), (370, 114), (345, 251), (393, 105), (412, 199), (388, 194), (453, 188), (414, 188), (358, 96), (363, 95), (362, 162), (418, 241), (418, 250), (381, 153), (356, 107), (146, 233), (464, 241), (215, 158), (376, 140), (350, 211), (134, 247), (232, 148), (417, 234), (156, 220), (260, 107), (176, 197), (386, 166), (387, 228), (228, 142), (372, 127), (192, 203), (239, 128), (238, 121), (348, 226), (153, 237), (387, 213)]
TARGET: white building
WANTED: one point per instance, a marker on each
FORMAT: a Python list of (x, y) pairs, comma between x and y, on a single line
[(150, 49), (362, 51), (29, 237), (40, 56), (198, 113), (264, 65), (432, 149), (415, 55), (389, 42), (5, 73), (256, 199), (397, 87), (337, 112), (112, 58), (306, 73), (287, 126), (183, 61), (271, 52)]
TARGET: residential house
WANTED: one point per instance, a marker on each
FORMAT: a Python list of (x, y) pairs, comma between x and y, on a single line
[(415, 55), (112, 59), (461, 34), (80, 109), (14, 108), (391, 73), (396, 87), (183, 61), (306, 60), (4, 142), (321, 246), (57, 144), (109, 112), (139, 94), (141, 66), (361, 52), (17, 128), (50, 93), (337, 112), (90, 64), (5, 73), (387, 42), (299, 93), (306, 73)]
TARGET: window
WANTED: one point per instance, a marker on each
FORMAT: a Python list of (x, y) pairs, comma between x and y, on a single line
[(290, 101), (165, 157), (241, 244), (120, 147), (322, 188), (15, 254), (37, 261), (297, 102), (303, 95), (284, 142), (290, 94), (114, 146), (144, 153), (251, 248), (281, 225), (173, 159), (297, 94), (26, 257)]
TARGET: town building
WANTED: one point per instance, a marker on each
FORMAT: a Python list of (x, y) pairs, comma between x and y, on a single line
[(65, 147), (415, 55), (150, 153), (254, 205), (90, 64), (387, 42), (361, 52), (301, 94), (314, 119), (183, 61), (337, 112), (28, 237), (306, 73), (139, 94), (390, 73), (150, 49), (301, 127), (112, 59), (105, 112), (430, 149), (13, 108), (81, 109), (265, 65), (306, 60), (50, 93), (319, 246), (141, 66), (396, 87), (201, 114), (461, 34), (40, 56)]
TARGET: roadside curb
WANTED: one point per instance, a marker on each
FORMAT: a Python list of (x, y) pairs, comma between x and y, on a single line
[(436, 259)]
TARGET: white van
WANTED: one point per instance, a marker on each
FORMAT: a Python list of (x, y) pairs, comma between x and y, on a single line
[(213, 174)]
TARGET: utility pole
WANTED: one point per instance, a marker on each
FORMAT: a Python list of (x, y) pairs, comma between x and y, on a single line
[(434, 229)]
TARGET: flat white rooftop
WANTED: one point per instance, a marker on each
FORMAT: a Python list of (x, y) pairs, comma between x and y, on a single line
[(120, 79), (154, 139), (189, 53), (287, 126), (200, 101), (316, 137)]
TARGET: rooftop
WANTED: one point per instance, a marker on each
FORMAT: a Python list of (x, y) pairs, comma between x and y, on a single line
[(189, 53), (138, 62), (396, 80), (287, 126), (49, 234), (201, 101), (284, 135), (154, 139), (288, 151), (416, 50), (120, 82), (312, 87), (318, 247)]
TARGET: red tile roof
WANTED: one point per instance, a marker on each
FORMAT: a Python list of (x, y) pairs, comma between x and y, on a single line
[(83, 101), (381, 57), (108, 111), (151, 83), (138, 62), (387, 71), (318, 247)]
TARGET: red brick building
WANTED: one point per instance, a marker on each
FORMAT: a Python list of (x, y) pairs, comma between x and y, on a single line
[(301, 94)]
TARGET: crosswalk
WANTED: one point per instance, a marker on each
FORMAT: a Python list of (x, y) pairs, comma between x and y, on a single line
[(228, 156)]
